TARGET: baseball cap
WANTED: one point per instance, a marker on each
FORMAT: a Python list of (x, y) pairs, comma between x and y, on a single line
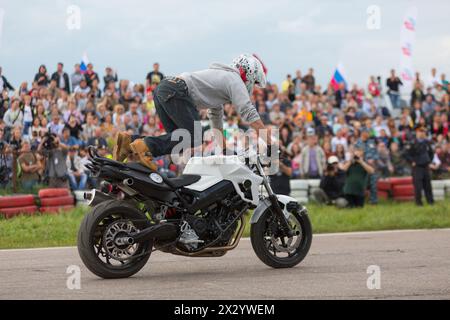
[(333, 159), (310, 132)]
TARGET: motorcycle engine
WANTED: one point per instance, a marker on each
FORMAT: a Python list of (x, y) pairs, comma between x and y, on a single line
[(206, 225)]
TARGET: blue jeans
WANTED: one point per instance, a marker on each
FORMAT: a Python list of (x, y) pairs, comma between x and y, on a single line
[(373, 180), (73, 181), (27, 185), (177, 110), (395, 100)]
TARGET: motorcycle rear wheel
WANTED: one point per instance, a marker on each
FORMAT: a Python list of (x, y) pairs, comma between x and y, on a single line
[(265, 243), (91, 245)]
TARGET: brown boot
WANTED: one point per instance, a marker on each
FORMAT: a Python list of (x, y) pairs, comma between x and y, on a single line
[(122, 146), (141, 151)]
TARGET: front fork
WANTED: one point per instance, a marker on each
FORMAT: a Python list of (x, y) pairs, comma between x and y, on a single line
[(285, 227)]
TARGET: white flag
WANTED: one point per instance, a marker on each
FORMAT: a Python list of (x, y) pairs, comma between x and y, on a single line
[(407, 40)]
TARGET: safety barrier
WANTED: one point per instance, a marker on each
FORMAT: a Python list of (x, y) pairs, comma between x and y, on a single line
[(395, 188), (51, 200)]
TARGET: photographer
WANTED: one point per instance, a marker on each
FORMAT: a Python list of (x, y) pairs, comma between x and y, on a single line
[(29, 165), (280, 181), (55, 153), (358, 172), (5, 160), (331, 185)]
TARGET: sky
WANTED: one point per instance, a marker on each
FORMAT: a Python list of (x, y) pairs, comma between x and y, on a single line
[(188, 35)]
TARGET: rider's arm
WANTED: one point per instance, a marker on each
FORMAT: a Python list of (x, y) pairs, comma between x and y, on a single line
[(216, 118)]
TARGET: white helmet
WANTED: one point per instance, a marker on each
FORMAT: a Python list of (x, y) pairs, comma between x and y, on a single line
[(252, 71)]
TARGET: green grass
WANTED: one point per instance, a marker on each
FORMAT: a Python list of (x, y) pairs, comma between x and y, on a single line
[(61, 230)]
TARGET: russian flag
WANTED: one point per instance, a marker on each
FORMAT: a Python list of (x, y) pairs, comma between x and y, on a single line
[(338, 77), (84, 63)]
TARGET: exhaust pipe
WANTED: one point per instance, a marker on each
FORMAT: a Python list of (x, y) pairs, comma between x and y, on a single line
[(95, 197), (164, 231)]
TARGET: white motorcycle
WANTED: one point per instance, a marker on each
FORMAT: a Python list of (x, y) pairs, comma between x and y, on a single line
[(201, 213)]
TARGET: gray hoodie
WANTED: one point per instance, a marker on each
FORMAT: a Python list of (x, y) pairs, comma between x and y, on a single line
[(220, 84)]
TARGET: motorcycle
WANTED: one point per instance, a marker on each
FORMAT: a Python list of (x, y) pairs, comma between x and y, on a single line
[(201, 213)]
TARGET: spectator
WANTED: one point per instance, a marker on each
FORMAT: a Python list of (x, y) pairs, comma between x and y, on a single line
[(312, 161), (97, 139), (276, 115), (298, 88), (55, 126), (29, 166), (331, 185), (75, 172), (61, 78), (67, 139), (76, 77), (27, 114), (339, 139), (324, 128), (369, 145), (55, 154), (280, 182), (91, 75), (399, 163), (393, 83), (41, 78), (89, 127), (433, 79), (110, 78), (374, 88), (384, 164), (287, 84), (14, 117), (417, 94), (154, 77), (309, 80), (356, 180)]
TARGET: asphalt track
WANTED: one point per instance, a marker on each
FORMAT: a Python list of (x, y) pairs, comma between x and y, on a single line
[(412, 264)]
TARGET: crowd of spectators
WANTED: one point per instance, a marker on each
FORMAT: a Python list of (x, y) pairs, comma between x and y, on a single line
[(51, 121)]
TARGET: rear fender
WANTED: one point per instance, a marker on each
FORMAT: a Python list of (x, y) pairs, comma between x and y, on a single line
[(265, 204)]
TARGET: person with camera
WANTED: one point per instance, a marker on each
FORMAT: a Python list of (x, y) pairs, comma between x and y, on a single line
[(5, 159), (331, 185), (357, 175), (280, 181), (55, 153), (393, 83), (30, 166)]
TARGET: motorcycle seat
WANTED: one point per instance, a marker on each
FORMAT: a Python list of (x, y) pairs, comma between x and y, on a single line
[(183, 180), (174, 183)]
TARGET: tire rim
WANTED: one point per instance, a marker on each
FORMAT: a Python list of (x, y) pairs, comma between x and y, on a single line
[(279, 246)]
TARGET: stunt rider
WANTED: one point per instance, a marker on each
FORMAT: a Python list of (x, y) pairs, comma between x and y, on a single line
[(178, 98)]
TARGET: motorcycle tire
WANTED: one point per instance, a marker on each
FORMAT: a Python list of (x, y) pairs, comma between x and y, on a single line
[(88, 231), (259, 243)]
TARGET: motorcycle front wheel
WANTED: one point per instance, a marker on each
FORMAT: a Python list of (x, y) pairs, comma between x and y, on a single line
[(278, 251), (96, 240)]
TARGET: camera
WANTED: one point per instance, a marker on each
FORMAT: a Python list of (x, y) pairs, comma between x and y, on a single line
[(356, 158), (49, 141)]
